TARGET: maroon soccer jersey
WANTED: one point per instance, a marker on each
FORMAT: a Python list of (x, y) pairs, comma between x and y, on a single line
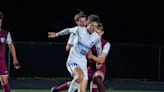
[(3, 37), (92, 64)]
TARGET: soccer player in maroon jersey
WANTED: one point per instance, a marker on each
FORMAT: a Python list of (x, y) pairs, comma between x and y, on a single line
[(5, 38), (96, 65)]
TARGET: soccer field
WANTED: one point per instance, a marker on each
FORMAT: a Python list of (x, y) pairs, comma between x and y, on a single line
[(45, 90)]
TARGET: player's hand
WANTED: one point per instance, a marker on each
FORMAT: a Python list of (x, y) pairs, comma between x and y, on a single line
[(68, 47), (89, 55), (16, 64), (52, 35), (98, 65)]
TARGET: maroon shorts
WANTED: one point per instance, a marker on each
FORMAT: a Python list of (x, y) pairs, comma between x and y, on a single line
[(3, 68), (92, 71)]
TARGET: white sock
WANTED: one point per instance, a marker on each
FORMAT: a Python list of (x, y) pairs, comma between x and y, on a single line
[(74, 85)]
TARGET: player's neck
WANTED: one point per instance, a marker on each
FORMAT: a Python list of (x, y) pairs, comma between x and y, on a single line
[(89, 32)]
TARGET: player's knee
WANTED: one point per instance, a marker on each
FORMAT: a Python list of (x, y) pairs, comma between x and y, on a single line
[(4, 81), (82, 90), (79, 75), (99, 74), (80, 78), (98, 79)]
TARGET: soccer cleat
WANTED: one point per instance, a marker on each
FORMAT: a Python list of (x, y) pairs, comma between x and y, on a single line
[(54, 89)]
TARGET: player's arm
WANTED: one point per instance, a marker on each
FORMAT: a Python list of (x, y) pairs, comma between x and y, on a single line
[(101, 58), (63, 32), (70, 42), (13, 51)]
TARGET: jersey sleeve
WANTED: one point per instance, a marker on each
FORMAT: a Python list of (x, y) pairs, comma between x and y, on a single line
[(9, 39), (71, 39), (68, 31), (99, 47), (106, 48)]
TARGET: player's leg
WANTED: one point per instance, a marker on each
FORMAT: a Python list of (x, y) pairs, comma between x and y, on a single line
[(83, 86), (91, 72), (93, 87), (5, 83), (61, 87), (77, 79), (98, 80), (4, 77)]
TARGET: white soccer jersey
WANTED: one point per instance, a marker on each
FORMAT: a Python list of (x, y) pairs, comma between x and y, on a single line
[(106, 48), (8, 40), (84, 41), (71, 39)]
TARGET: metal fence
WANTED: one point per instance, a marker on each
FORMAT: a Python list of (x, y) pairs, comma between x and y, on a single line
[(129, 61)]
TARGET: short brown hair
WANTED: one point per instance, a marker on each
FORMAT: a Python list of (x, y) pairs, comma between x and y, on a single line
[(79, 15), (94, 18)]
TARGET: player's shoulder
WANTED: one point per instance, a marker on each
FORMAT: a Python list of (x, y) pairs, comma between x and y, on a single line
[(78, 28), (105, 41), (108, 44), (74, 27), (96, 35), (4, 31), (81, 28)]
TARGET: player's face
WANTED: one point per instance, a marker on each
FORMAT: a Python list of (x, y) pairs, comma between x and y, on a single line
[(92, 26), (82, 22), (0, 23), (100, 32)]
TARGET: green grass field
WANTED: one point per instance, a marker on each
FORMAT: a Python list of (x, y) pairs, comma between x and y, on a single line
[(44, 90)]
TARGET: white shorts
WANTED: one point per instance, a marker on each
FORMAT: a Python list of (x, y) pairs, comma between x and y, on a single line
[(71, 65)]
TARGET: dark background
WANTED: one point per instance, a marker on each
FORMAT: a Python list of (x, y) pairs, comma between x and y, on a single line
[(125, 21), (133, 27)]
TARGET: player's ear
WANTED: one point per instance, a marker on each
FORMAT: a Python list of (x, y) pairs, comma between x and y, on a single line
[(102, 32)]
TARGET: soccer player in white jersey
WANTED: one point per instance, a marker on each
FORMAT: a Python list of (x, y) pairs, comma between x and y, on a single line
[(81, 20), (77, 60)]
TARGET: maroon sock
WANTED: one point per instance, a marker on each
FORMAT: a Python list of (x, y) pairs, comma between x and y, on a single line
[(94, 89), (63, 87), (99, 83), (91, 87), (6, 88)]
